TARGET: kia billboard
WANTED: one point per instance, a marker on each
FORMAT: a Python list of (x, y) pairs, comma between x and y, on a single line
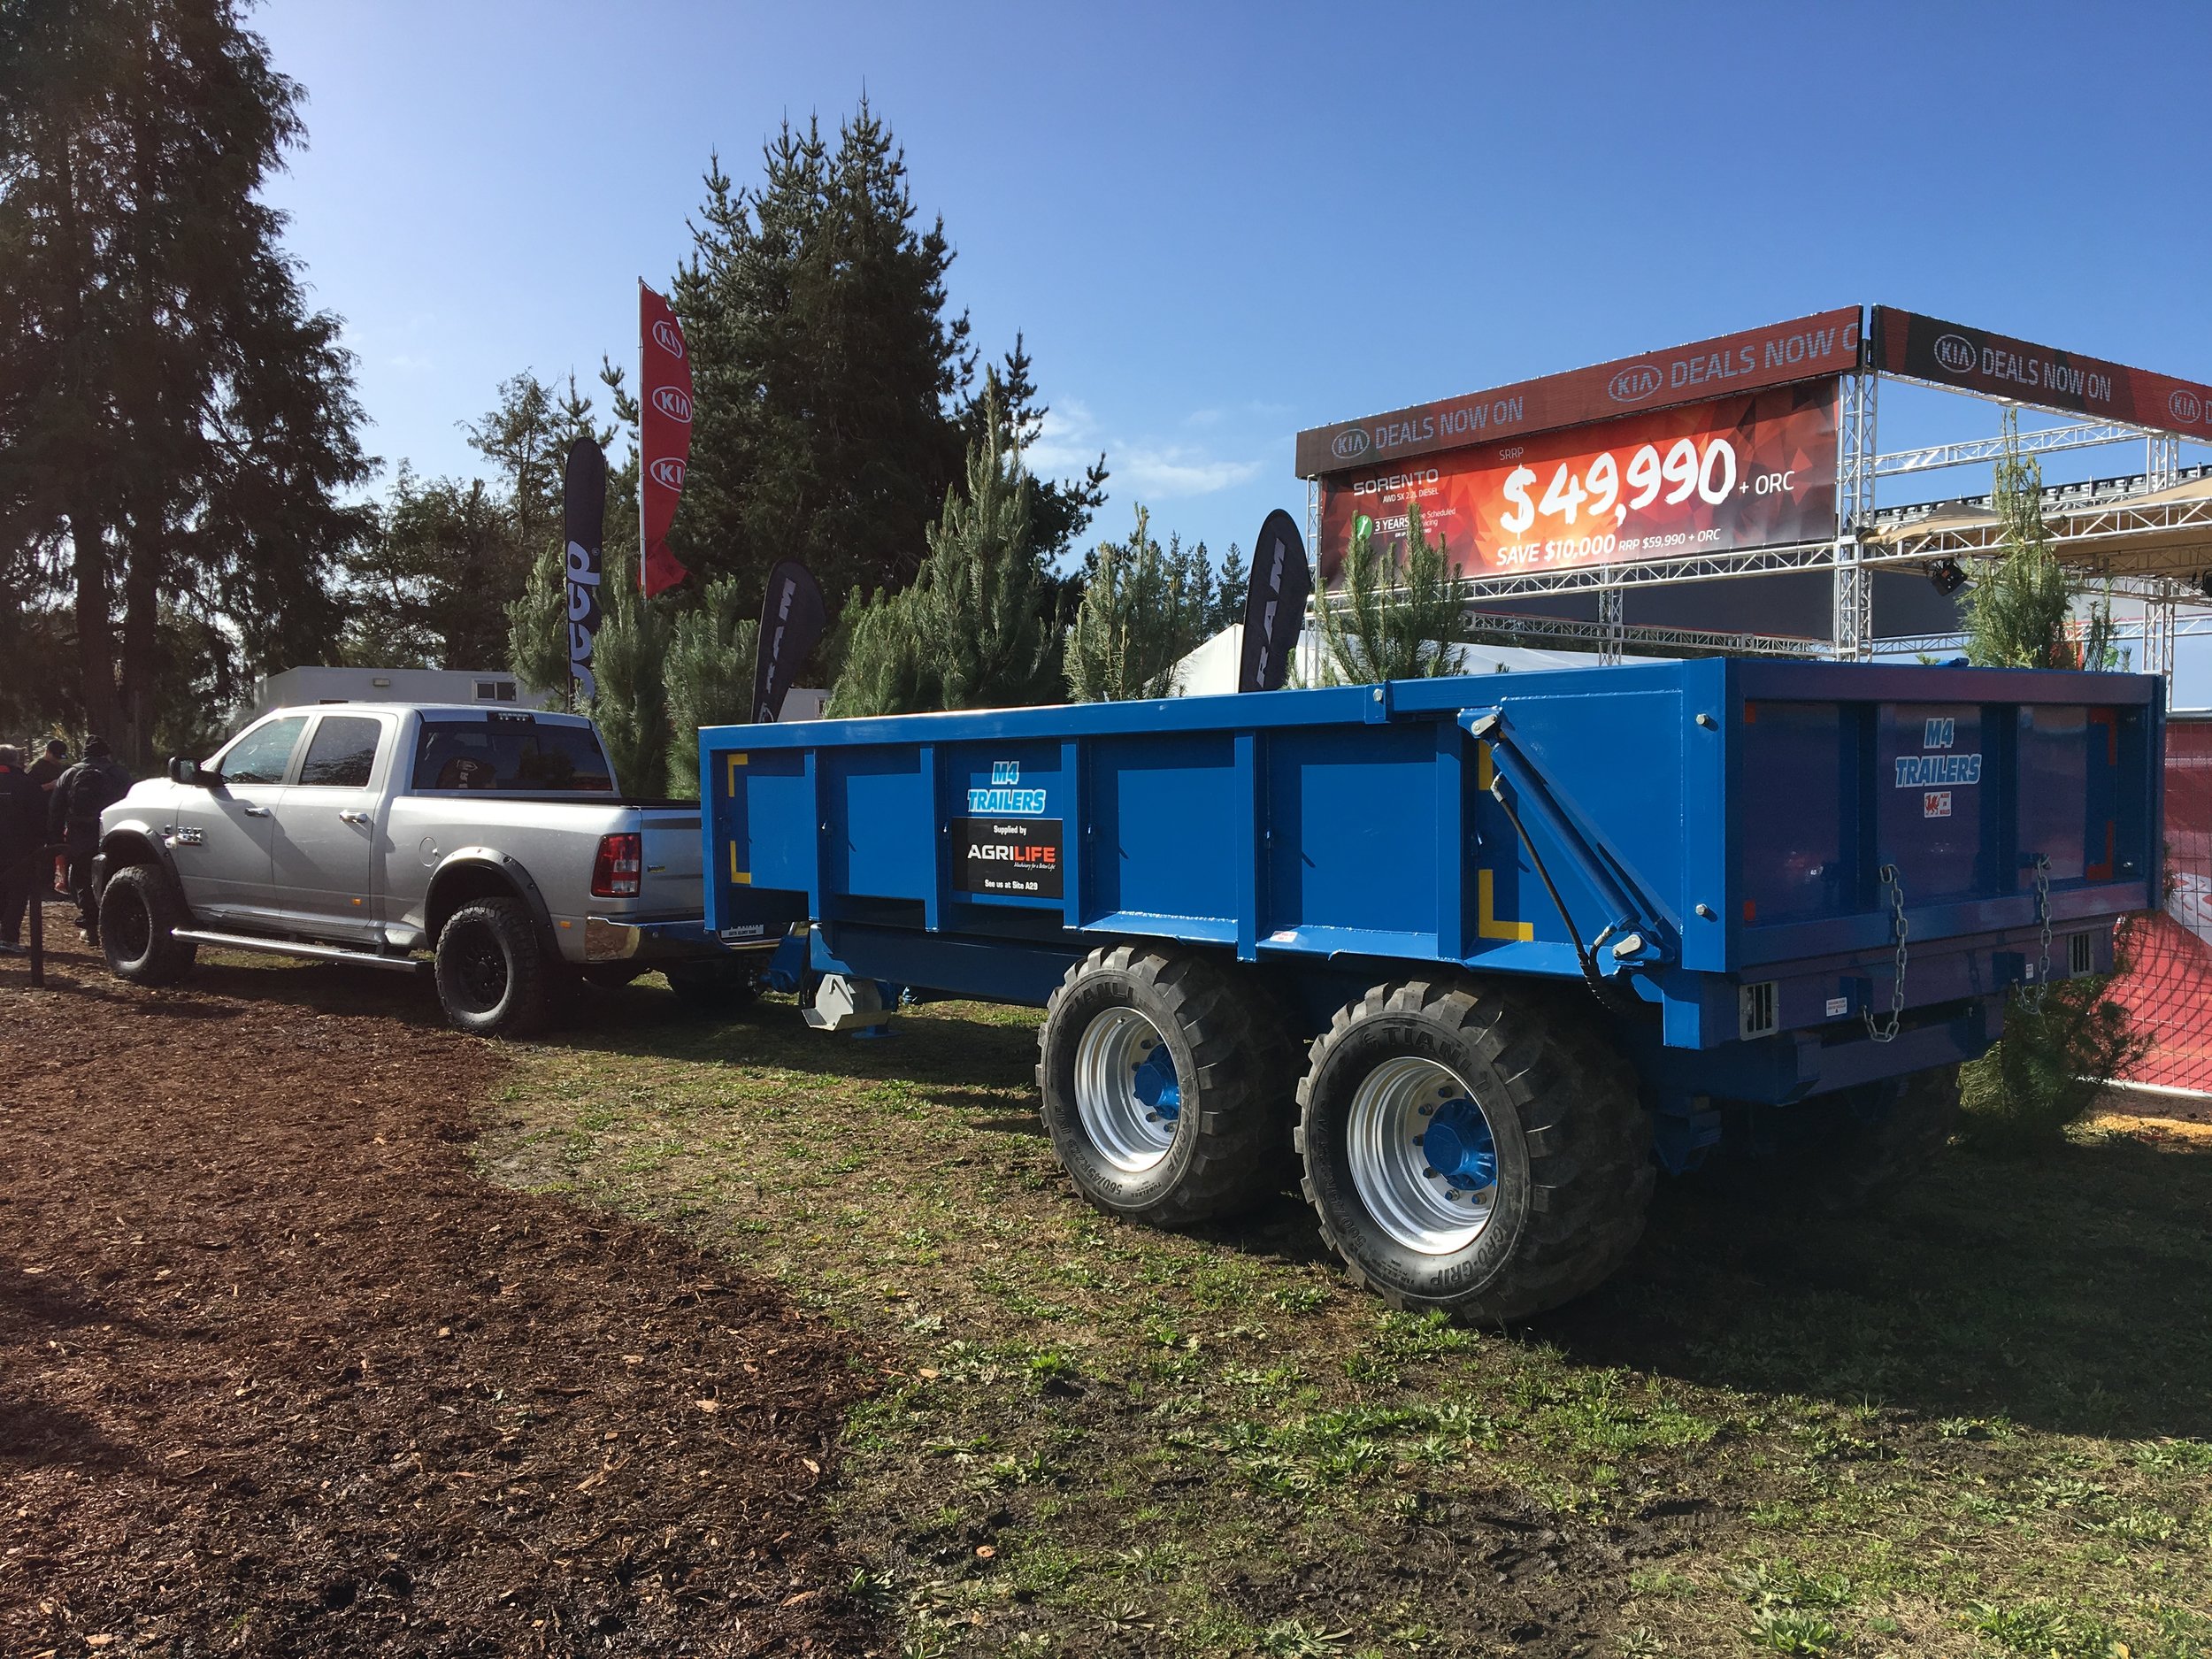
[(1755, 469), (1814, 348), (1975, 360)]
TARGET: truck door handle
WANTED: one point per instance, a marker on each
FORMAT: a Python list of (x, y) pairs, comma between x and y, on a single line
[(353, 817), (257, 812)]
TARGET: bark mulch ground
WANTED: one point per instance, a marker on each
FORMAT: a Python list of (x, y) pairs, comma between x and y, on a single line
[(278, 1375)]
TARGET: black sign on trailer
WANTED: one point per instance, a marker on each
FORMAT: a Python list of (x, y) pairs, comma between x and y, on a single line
[(1015, 855)]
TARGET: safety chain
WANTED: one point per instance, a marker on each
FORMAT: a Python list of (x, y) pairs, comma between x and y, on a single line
[(2032, 1001), (1900, 927)]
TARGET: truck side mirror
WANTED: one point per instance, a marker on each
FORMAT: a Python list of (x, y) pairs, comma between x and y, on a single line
[(183, 771)]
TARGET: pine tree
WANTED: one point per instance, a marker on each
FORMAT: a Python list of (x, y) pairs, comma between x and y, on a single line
[(1143, 609), (975, 630), (175, 425), (710, 674), (831, 378), (629, 664), (2015, 616), (1391, 619), (1229, 591)]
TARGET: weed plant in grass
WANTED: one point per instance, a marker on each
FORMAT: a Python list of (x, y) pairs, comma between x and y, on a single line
[(1980, 1426)]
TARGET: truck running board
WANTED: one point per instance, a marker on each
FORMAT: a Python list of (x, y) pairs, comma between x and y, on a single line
[(292, 947)]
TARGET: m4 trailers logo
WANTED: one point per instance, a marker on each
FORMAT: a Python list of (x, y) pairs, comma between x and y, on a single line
[(1014, 857), (1936, 804)]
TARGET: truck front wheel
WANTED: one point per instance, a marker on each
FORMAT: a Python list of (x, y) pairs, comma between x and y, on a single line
[(1166, 1085), (1473, 1148), (493, 977), (139, 910)]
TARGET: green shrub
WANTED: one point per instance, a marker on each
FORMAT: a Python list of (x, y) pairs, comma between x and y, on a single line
[(2053, 1062)]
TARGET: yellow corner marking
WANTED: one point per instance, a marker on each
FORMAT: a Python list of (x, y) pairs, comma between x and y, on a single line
[(1485, 769), (1489, 925), (735, 762), (744, 878)]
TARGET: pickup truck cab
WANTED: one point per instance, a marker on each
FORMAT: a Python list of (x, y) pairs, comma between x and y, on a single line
[(494, 841)]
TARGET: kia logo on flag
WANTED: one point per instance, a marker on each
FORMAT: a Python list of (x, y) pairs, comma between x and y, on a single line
[(2187, 407), (668, 472), (1349, 446), (1956, 352), (668, 337), (673, 402), (1632, 386)]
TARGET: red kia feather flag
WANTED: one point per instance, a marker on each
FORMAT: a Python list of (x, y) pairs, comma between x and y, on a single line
[(664, 436)]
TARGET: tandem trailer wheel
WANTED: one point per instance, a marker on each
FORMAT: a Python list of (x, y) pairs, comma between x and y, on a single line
[(1471, 1148), (1167, 1085)]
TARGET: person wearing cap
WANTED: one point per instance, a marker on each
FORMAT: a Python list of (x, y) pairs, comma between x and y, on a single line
[(22, 831), (80, 795)]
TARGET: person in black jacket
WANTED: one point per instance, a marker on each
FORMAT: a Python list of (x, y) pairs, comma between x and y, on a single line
[(46, 771), (84, 791), (22, 831)]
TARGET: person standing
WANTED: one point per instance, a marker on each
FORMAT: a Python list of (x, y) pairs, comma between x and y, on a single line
[(46, 771), (80, 795), (22, 831)]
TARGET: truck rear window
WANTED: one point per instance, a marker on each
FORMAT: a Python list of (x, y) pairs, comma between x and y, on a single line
[(520, 758)]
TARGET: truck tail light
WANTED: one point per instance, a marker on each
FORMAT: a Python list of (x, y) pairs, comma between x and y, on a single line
[(615, 872)]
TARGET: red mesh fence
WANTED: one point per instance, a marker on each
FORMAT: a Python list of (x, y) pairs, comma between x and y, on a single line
[(2168, 986)]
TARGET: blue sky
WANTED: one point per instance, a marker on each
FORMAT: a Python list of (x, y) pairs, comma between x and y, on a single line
[(1218, 224)]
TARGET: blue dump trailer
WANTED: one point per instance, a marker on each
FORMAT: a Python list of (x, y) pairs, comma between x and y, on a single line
[(1468, 957)]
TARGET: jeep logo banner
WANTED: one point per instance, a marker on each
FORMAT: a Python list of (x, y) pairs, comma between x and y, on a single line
[(583, 518), (1806, 348), (1274, 604), (1975, 360), (664, 436)]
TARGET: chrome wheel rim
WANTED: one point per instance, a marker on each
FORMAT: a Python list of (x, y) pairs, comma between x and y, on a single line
[(1422, 1158), (1127, 1092)]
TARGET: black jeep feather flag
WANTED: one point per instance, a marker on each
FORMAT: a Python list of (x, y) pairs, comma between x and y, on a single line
[(583, 518), (791, 623), (1274, 604)]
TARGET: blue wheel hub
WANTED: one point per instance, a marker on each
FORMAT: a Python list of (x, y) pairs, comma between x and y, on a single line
[(1156, 1086), (1458, 1147)]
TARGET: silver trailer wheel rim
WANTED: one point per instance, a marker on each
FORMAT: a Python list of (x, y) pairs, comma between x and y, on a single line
[(1422, 1156), (1127, 1093)]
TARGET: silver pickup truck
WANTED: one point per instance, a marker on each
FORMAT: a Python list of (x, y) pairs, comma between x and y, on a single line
[(492, 839)]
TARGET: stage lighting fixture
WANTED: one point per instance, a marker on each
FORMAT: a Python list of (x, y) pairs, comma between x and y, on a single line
[(1946, 576)]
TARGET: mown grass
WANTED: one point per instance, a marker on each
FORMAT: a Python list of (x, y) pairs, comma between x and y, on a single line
[(1980, 1424)]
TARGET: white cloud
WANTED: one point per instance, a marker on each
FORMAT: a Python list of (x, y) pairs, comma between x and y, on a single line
[(1071, 439), (1177, 471)]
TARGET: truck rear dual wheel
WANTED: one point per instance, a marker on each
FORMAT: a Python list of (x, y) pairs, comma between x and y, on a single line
[(1167, 1083), (139, 908), (1479, 1149)]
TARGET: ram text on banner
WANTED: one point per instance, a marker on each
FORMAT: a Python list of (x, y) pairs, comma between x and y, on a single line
[(1274, 604), (791, 622), (664, 436), (1976, 360), (583, 520), (1744, 472)]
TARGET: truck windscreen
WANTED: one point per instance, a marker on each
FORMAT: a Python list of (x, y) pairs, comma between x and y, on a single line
[(518, 757)]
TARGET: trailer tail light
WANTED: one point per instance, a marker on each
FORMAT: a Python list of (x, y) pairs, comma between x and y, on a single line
[(615, 873)]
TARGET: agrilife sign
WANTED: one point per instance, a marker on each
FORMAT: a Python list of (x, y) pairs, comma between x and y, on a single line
[(1975, 360), (1806, 348)]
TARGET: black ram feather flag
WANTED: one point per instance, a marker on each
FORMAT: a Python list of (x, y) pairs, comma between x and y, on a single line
[(1274, 604), (791, 623), (584, 519)]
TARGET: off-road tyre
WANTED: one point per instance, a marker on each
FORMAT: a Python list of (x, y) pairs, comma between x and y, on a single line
[(1844, 1153), (1235, 1064), (139, 910), (493, 976), (1572, 1145), (707, 989)]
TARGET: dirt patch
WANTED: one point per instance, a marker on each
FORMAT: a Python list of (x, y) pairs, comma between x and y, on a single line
[(278, 1374)]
